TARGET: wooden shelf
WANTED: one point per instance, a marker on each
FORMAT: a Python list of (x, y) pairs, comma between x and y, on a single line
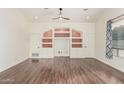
[(46, 40), (76, 45), (47, 45), (62, 29), (62, 35), (76, 40)]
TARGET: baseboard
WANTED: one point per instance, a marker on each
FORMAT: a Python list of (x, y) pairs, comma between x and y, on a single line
[(25, 59), (103, 61)]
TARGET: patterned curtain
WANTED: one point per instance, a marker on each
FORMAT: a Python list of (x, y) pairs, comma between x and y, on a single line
[(109, 53)]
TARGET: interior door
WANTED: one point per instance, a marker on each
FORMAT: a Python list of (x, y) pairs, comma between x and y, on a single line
[(61, 47)]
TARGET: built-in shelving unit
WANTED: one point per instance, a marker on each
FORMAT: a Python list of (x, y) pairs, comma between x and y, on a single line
[(76, 39), (62, 33), (47, 39)]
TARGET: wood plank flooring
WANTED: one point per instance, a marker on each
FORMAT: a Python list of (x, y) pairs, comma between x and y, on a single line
[(61, 71)]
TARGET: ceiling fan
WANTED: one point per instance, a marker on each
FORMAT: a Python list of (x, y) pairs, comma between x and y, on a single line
[(60, 17)]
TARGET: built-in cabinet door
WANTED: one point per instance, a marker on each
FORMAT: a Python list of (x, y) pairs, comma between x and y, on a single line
[(61, 47)]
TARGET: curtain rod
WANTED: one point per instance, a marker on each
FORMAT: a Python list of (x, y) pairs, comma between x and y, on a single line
[(117, 17)]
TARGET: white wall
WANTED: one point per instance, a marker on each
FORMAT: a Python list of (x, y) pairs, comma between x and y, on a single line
[(87, 29), (14, 38), (101, 38)]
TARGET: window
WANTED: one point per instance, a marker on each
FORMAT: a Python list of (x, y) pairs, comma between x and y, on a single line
[(118, 38)]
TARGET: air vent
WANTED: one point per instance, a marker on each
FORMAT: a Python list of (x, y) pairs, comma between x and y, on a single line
[(35, 60), (35, 54)]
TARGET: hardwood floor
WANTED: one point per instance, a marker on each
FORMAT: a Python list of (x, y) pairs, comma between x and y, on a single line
[(61, 71)]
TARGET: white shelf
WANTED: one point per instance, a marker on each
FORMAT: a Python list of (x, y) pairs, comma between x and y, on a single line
[(61, 38), (47, 43), (76, 42), (47, 37), (62, 32), (76, 37)]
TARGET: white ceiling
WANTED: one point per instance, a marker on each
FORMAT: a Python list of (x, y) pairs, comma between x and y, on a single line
[(75, 14)]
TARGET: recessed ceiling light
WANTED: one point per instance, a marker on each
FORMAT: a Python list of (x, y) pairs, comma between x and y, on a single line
[(36, 17), (85, 9)]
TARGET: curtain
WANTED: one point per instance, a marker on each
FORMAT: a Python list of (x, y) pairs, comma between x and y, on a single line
[(109, 53)]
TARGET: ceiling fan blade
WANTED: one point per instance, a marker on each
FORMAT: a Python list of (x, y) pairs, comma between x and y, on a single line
[(55, 18), (65, 18)]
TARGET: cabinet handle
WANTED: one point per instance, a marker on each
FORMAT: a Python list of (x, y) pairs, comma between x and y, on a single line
[(85, 46)]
